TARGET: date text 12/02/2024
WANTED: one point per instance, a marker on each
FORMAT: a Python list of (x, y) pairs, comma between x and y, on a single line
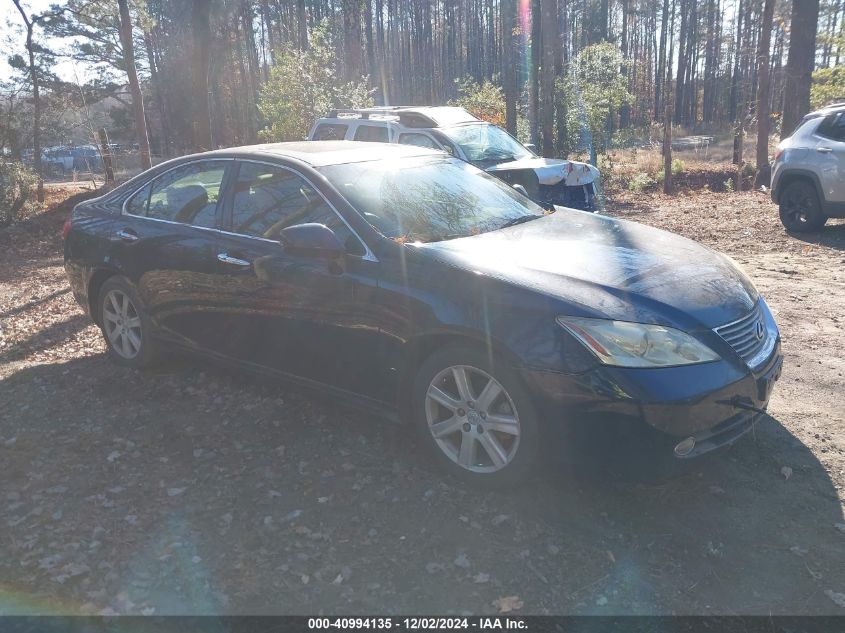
[(418, 623)]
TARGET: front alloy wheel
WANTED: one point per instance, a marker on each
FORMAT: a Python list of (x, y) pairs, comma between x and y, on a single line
[(475, 417), (472, 419)]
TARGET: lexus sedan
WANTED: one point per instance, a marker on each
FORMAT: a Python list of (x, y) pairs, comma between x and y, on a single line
[(429, 292)]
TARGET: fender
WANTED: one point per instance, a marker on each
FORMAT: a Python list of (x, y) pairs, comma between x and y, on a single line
[(788, 175)]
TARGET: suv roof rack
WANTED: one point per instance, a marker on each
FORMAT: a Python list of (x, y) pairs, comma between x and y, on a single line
[(407, 115), (363, 113)]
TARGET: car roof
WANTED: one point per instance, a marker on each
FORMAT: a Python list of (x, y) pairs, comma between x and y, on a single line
[(830, 109), (323, 153)]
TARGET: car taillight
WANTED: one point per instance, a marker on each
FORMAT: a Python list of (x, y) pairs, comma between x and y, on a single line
[(778, 153), (66, 229)]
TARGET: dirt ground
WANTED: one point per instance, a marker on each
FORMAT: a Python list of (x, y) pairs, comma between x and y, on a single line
[(196, 490)]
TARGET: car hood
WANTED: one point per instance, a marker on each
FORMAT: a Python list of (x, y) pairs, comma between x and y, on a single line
[(609, 268), (551, 171)]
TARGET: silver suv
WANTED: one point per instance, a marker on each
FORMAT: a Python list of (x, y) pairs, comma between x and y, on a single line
[(548, 181), (808, 178)]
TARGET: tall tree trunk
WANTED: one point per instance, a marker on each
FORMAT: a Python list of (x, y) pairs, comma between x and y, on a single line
[(550, 44), (625, 109), (659, 80), (36, 101), (301, 24), (134, 87), (509, 63), (668, 185), (763, 169), (158, 91), (534, 92), (799, 63), (682, 63), (734, 97), (201, 36)]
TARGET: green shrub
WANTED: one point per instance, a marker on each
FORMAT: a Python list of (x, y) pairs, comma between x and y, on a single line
[(303, 86), (640, 182), (678, 166), (17, 191), (593, 88), (828, 86), (485, 101), (729, 185)]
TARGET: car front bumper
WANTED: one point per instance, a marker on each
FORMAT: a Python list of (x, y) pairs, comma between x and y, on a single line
[(713, 404)]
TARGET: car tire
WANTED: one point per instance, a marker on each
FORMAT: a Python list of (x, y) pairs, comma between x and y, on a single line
[(800, 209), (125, 325), (491, 395)]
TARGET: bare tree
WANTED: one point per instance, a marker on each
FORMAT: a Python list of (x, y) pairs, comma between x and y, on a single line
[(799, 63), (29, 23), (550, 42), (763, 111), (668, 107), (134, 87), (509, 63), (201, 32)]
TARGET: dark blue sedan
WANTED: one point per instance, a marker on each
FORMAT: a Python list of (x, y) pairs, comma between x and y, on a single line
[(428, 291)]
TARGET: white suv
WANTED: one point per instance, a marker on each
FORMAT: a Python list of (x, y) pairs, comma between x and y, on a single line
[(549, 181), (808, 177)]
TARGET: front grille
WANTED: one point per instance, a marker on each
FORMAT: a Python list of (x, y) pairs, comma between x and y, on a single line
[(747, 335)]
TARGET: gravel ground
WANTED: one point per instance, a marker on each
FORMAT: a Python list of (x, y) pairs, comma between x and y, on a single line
[(197, 490)]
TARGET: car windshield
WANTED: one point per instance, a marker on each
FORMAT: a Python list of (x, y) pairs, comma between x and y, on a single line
[(486, 142), (429, 199)]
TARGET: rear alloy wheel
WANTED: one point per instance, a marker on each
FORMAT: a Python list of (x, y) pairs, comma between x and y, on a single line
[(477, 420), (125, 326), (121, 324), (800, 210)]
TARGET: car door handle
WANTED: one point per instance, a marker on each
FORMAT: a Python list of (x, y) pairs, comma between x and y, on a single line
[(226, 259), (127, 235), (824, 150)]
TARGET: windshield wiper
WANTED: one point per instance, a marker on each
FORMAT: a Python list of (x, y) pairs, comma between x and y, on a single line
[(520, 219)]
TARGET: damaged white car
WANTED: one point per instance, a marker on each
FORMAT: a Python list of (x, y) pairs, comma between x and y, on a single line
[(548, 181)]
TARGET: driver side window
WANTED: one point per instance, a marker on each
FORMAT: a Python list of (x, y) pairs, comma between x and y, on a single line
[(269, 199)]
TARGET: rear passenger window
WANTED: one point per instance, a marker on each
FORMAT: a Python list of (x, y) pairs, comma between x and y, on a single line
[(418, 140), (371, 133), (330, 132), (269, 199), (833, 127), (188, 194), (137, 204)]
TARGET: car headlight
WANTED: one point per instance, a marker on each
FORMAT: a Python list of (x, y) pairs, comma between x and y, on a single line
[(625, 344)]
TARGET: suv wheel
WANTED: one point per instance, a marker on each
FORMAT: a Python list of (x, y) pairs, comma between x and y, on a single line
[(800, 209), (476, 419), (125, 325)]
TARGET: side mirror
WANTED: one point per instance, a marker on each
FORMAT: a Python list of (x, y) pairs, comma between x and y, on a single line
[(311, 240), (521, 190), (531, 147)]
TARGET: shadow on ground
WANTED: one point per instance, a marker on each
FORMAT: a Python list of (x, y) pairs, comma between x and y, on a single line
[(196, 490), (832, 236)]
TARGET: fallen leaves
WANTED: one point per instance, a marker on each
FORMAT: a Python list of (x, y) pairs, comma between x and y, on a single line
[(838, 598), (507, 604)]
